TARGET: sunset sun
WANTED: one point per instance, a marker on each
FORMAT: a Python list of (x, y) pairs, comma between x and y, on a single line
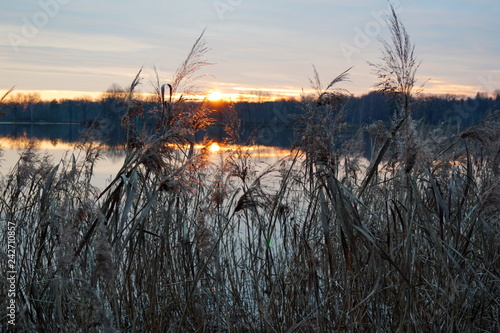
[(214, 96), (214, 147)]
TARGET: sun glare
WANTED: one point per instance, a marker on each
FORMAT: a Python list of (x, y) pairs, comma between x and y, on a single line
[(214, 147), (214, 96)]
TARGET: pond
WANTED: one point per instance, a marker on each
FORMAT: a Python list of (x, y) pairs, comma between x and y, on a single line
[(112, 158)]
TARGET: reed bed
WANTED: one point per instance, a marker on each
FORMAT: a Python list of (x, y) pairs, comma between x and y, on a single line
[(179, 242)]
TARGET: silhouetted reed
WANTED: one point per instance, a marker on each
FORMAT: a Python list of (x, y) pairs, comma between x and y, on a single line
[(321, 241)]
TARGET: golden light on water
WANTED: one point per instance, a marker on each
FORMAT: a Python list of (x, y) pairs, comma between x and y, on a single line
[(22, 143)]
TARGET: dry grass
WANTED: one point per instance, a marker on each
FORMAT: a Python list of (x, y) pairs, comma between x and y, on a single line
[(181, 243)]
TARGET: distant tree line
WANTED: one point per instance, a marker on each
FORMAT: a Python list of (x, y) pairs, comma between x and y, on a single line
[(267, 122)]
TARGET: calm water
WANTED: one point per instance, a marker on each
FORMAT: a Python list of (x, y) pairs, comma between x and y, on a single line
[(59, 140), (57, 150), (111, 161), (42, 131)]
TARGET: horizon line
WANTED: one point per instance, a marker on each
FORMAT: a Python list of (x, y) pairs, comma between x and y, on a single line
[(243, 94)]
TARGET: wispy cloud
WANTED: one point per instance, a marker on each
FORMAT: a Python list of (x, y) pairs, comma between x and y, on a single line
[(92, 44)]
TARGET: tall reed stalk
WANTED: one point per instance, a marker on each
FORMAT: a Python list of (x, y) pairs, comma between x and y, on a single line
[(182, 242)]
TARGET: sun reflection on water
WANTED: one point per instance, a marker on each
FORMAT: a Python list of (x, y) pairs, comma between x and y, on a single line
[(112, 158)]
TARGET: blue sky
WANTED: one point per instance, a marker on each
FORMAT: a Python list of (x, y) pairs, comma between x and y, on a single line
[(85, 46)]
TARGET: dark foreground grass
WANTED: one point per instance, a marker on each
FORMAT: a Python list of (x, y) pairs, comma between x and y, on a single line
[(316, 243), (179, 243)]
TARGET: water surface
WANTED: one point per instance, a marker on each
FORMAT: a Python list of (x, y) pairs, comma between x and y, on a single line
[(111, 159)]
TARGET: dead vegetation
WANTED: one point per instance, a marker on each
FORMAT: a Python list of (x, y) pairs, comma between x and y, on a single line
[(178, 242)]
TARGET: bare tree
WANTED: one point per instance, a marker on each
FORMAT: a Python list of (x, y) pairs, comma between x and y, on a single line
[(116, 92)]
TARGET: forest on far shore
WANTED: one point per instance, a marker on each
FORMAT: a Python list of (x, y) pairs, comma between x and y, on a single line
[(271, 123)]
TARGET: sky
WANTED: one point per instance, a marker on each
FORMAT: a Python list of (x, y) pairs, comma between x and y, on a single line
[(70, 48)]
